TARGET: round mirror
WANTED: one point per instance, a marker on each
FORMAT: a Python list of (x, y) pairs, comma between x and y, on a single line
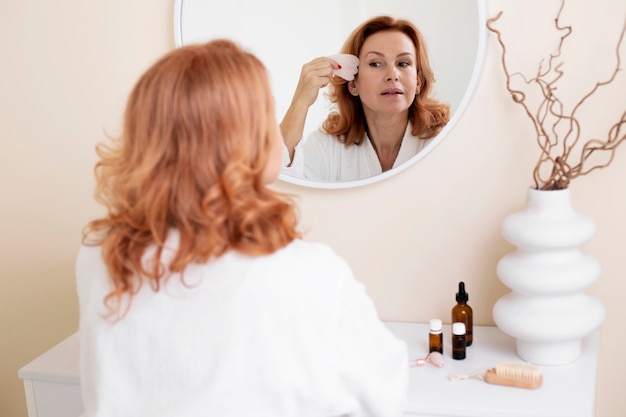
[(285, 34)]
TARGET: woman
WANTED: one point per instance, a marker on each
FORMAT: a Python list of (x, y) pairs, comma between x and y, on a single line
[(197, 296), (384, 117)]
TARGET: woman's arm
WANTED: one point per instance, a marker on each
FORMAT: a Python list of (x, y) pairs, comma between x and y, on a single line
[(372, 362), (314, 75)]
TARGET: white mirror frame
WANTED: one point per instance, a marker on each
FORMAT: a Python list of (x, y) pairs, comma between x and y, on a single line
[(456, 114)]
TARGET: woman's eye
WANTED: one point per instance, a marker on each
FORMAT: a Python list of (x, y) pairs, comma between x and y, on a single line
[(375, 64), (404, 64)]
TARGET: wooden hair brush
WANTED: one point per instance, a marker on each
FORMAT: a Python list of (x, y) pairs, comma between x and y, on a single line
[(514, 375), (507, 373)]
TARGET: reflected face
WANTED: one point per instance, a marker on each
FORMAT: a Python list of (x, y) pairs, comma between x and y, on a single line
[(387, 78)]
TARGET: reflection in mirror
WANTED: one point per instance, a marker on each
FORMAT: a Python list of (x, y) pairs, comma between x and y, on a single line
[(453, 30)]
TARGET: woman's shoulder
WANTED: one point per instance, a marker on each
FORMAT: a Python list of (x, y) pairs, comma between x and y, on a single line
[(308, 258), (89, 253), (312, 251), (323, 137)]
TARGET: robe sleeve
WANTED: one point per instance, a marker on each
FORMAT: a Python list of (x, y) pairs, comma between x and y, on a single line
[(372, 363)]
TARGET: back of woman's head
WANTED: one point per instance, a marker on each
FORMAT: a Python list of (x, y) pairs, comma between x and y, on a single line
[(199, 132), (202, 111), (427, 114)]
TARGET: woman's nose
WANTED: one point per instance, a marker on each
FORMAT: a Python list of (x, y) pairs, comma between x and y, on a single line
[(392, 75)]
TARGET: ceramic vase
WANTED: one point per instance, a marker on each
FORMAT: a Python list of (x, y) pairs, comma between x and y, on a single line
[(548, 310)]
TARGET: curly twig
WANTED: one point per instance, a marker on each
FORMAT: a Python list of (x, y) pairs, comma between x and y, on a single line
[(555, 129)]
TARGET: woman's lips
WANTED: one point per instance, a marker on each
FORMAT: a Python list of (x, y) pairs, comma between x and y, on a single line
[(391, 91)]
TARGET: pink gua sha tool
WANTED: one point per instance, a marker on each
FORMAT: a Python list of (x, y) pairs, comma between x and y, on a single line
[(434, 358), (349, 66)]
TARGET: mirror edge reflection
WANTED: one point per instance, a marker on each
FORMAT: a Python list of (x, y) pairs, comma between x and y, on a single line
[(462, 107)]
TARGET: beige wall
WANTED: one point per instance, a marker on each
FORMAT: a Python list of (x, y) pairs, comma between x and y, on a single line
[(68, 65)]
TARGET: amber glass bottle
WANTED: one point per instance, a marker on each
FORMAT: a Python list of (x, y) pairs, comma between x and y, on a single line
[(459, 340), (462, 312), (435, 336)]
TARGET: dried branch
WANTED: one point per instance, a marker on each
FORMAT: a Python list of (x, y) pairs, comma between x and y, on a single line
[(558, 133)]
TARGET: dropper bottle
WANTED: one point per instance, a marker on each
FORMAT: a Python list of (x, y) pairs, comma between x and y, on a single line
[(459, 340), (435, 336), (462, 312)]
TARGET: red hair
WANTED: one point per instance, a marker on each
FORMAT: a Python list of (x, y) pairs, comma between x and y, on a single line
[(427, 115), (199, 130)]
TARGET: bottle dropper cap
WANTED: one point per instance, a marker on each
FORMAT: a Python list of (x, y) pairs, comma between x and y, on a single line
[(462, 296)]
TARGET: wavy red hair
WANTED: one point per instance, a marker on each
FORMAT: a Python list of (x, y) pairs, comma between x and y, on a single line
[(427, 115), (199, 130)]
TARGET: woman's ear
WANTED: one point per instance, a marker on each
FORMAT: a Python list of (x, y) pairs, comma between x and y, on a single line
[(352, 88), (418, 87)]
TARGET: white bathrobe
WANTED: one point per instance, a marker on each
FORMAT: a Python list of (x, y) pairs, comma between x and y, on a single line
[(288, 334), (321, 157)]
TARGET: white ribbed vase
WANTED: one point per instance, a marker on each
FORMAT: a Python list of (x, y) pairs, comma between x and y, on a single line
[(548, 311)]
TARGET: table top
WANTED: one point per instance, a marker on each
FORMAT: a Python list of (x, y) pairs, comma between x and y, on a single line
[(567, 390), (58, 364)]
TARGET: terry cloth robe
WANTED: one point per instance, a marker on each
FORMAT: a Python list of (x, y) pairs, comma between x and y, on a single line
[(321, 157), (287, 334)]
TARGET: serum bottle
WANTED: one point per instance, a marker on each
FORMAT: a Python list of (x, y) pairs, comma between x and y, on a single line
[(435, 336), (458, 340), (462, 312)]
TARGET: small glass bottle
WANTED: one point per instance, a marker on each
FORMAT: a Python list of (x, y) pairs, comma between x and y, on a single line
[(458, 340), (435, 336), (462, 312)]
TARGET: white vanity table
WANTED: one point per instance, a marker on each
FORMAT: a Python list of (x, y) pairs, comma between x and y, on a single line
[(51, 381)]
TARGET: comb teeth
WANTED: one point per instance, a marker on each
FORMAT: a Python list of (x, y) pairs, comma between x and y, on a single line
[(514, 375)]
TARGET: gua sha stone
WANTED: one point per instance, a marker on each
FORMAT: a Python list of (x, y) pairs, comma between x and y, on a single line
[(434, 358), (349, 66)]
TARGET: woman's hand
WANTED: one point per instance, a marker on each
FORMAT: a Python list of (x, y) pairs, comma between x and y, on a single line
[(314, 75)]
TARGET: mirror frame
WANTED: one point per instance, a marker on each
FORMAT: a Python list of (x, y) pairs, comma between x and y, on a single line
[(458, 113)]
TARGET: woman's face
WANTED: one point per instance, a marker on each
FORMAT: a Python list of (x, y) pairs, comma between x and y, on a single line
[(387, 78)]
